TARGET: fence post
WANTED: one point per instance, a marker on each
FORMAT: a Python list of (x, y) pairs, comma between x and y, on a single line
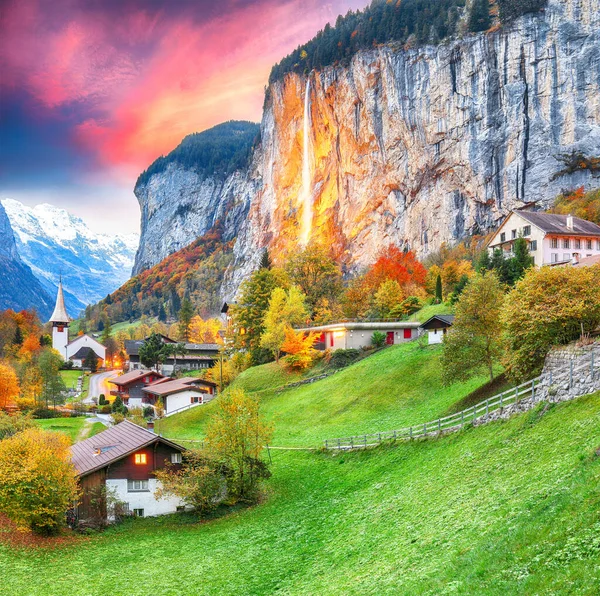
[(439, 426), (351, 442), (517, 395), (462, 418), (592, 366), (326, 447), (425, 429), (532, 388), (501, 402), (550, 380), (379, 437), (487, 408), (394, 436), (410, 432), (365, 441), (474, 412), (339, 444)]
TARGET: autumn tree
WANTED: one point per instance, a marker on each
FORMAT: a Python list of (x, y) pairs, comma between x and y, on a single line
[(236, 436), (9, 385), (299, 349), (205, 331), (395, 264), (388, 297), (286, 309), (198, 482), (53, 386), (11, 424), (37, 480), (249, 313), (474, 341), (549, 306), (316, 273)]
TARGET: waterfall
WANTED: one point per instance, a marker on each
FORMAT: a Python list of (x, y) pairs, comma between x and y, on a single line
[(306, 194)]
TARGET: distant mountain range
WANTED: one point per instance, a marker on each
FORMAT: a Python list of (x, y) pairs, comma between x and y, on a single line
[(19, 288), (53, 242)]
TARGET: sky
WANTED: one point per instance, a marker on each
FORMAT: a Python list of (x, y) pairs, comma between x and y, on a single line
[(92, 91)]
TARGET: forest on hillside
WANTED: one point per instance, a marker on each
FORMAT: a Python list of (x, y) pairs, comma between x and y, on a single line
[(217, 151), (411, 22)]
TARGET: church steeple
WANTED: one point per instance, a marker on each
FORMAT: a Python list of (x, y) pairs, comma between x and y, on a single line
[(60, 316)]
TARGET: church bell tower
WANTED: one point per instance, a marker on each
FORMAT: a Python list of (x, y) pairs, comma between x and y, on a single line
[(60, 324)]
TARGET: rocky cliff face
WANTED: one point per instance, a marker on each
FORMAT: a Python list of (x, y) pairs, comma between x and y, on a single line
[(178, 205), (411, 146), (424, 146)]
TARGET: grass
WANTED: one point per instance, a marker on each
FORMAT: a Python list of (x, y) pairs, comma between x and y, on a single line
[(507, 508), (95, 428), (430, 310), (396, 387), (70, 377), (69, 426)]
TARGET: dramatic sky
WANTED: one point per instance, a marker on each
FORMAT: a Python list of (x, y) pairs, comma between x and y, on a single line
[(92, 91)]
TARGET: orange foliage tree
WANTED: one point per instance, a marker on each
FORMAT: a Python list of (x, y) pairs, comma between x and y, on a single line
[(299, 349), (9, 385)]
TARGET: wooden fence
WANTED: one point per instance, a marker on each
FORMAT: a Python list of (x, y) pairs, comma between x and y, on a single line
[(571, 373)]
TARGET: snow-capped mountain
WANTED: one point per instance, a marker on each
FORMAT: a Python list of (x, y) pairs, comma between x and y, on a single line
[(53, 242)]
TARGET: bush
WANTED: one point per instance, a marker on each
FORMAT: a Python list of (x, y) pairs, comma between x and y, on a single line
[(148, 412), (45, 413), (378, 339), (342, 358), (37, 480), (102, 401), (106, 409), (12, 424)]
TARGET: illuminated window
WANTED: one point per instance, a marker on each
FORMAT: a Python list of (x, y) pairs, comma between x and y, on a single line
[(140, 458)]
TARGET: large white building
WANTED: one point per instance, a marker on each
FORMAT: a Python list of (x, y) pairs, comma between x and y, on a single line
[(551, 238), (77, 349)]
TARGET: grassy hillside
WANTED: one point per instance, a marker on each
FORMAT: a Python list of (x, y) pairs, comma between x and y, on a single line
[(396, 387), (507, 508), (69, 426)]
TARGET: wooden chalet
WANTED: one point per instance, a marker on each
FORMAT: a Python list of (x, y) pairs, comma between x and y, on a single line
[(130, 385), (123, 459)]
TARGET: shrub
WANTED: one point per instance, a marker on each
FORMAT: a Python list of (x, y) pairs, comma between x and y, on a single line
[(378, 339), (45, 413), (12, 424), (106, 409), (342, 358), (37, 480), (102, 400), (148, 412)]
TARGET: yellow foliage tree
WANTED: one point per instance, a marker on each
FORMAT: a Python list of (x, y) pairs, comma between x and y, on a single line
[(205, 331), (236, 436), (37, 480), (9, 385)]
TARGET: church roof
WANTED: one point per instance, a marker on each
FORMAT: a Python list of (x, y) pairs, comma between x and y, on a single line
[(60, 311)]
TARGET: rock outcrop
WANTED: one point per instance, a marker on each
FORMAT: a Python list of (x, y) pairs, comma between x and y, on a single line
[(408, 146)]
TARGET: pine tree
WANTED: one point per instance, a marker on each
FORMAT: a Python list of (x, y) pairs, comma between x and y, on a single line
[(186, 312), (18, 338), (521, 261), (162, 313), (265, 260), (479, 19), (438, 290)]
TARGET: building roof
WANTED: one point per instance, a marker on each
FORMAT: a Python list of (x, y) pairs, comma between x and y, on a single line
[(132, 346), (203, 347), (82, 353), (111, 445), (176, 386), (438, 321), (363, 325), (588, 261), (132, 376), (79, 337), (553, 223), (60, 310)]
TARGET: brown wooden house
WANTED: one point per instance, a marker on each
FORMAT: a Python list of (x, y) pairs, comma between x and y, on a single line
[(123, 459), (130, 385)]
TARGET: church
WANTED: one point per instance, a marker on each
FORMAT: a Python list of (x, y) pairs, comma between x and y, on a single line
[(75, 350)]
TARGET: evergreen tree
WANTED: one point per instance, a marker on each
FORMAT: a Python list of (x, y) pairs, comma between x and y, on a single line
[(521, 261), (162, 313), (151, 351), (186, 312), (18, 338), (438, 289), (265, 260), (479, 19), (484, 263), (91, 361)]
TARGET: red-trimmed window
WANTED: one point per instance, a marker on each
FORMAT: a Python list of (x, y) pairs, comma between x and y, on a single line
[(140, 459)]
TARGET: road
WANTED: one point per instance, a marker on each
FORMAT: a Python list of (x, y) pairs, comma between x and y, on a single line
[(99, 384)]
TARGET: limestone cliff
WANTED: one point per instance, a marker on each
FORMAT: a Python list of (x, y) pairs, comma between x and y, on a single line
[(427, 145), (412, 146)]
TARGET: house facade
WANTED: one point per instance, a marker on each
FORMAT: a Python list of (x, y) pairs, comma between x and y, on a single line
[(82, 344), (180, 394), (436, 327), (130, 386), (343, 336), (124, 459), (551, 238)]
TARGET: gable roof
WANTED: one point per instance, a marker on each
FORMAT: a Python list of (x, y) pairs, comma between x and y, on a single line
[(111, 445), (80, 337), (445, 320), (133, 375), (82, 353), (553, 223), (176, 386)]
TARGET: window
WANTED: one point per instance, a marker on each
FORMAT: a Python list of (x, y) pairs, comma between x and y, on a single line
[(134, 486), (175, 458), (553, 242), (140, 459), (513, 234), (576, 243), (138, 512), (588, 244), (180, 508), (526, 230), (566, 256), (533, 245), (195, 399), (503, 237), (554, 257), (566, 243)]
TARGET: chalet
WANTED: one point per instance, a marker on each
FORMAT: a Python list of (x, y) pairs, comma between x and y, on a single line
[(123, 459), (180, 394), (342, 336), (437, 326), (196, 357), (130, 386), (79, 358), (551, 238)]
